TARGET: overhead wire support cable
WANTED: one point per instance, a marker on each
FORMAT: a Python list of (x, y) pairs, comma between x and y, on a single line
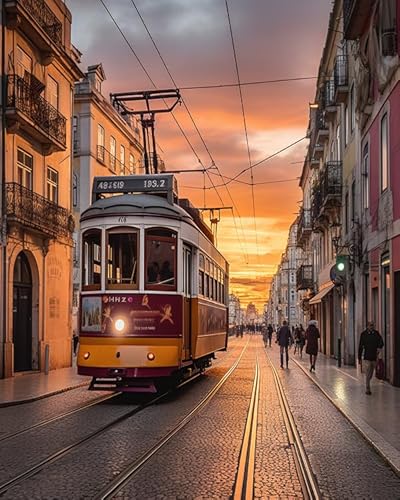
[(244, 123), (195, 126), (245, 84)]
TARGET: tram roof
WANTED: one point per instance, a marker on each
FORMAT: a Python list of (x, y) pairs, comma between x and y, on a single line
[(135, 204)]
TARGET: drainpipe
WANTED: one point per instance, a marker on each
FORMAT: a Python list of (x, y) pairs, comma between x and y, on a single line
[(3, 228)]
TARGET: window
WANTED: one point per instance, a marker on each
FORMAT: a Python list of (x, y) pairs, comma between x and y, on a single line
[(52, 92), (346, 125), (91, 262), (100, 143), (113, 152), (365, 177), (352, 110), (131, 164), (122, 264), (160, 259), (122, 159), (24, 62), (353, 202), (25, 168), (75, 190), (384, 153), (75, 133), (338, 146), (52, 185)]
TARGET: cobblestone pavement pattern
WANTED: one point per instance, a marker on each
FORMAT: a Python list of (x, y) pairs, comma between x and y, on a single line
[(84, 472), (346, 466), (18, 417), (201, 461)]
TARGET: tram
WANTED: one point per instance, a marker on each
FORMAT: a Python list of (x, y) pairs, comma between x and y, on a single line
[(154, 288)]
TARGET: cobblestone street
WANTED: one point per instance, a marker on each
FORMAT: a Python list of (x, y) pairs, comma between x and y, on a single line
[(201, 460)]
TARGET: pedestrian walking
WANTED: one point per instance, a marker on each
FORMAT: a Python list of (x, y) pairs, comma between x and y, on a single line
[(269, 333), (370, 343), (312, 335), (283, 338), (299, 340)]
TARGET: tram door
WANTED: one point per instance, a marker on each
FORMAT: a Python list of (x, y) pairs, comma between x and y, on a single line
[(187, 295), (22, 314)]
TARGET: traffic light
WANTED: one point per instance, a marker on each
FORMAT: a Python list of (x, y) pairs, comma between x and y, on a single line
[(341, 267)]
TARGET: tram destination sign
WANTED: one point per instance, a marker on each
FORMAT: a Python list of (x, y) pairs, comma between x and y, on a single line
[(161, 183)]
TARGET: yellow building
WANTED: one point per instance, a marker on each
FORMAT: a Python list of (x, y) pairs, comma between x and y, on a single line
[(39, 68), (105, 143)]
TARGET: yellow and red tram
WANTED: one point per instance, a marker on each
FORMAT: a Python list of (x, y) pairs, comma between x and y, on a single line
[(154, 288)]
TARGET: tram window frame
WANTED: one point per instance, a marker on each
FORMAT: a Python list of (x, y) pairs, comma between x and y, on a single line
[(201, 275), (170, 236), (127, 285), (88, 266)]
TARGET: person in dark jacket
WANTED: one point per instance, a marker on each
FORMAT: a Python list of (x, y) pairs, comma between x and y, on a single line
[(283, 338), (370, 342), (312, 335), (269, 333)]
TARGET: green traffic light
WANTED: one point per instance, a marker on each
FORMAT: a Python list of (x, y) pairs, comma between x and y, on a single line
[(340, 266)]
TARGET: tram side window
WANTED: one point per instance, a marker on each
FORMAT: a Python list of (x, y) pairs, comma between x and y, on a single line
[(201, 282), (91, 262), (160, 259), (122, 261)]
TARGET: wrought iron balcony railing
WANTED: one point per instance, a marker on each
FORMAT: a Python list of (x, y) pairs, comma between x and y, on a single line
[(22, 97), (329, 93), (304, 226), (36, 212), (331, 180), (41, 13), (111, 161), (304, 277), (341, 71)]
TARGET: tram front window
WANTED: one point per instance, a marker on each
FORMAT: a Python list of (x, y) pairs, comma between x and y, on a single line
[(160, 259), (122, 259), (91, 268)]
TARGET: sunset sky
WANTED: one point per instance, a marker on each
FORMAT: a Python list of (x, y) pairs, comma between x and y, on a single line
[(274, 39)]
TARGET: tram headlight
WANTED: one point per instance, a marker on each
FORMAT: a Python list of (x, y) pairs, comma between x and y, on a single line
[(86, 355), (119, 325), (151, 356)]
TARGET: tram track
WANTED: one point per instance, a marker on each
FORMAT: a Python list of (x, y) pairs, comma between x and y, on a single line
[(4, 487), (50, 420), (306, 476), (36, 468), (115, 486)]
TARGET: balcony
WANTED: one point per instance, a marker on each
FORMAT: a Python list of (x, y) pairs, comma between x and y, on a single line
[(27, 110), (331, 183), (304, 277), (355, 17), (329, 99), (303, 227), (321, 127), (38, 23), (29, 209), (316, 204), (341, 79)]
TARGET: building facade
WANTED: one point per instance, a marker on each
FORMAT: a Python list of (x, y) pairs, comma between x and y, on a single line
[(350, 184), (38, 70), (105, 143)]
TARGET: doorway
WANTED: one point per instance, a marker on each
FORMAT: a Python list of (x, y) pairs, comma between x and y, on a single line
[(187, 306), (22, 314)]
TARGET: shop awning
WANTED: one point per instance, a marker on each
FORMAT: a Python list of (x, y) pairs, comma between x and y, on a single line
[(320, 295)]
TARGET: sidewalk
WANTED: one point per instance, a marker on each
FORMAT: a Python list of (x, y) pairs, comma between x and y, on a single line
[(26, 387), (375, 416)]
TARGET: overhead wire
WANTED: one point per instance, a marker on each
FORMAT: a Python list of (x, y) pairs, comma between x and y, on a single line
[(197, 130), (244, 123), (244, 84)]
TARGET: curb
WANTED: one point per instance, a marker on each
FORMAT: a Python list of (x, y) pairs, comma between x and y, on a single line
[(41, 396), (380, 445)]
